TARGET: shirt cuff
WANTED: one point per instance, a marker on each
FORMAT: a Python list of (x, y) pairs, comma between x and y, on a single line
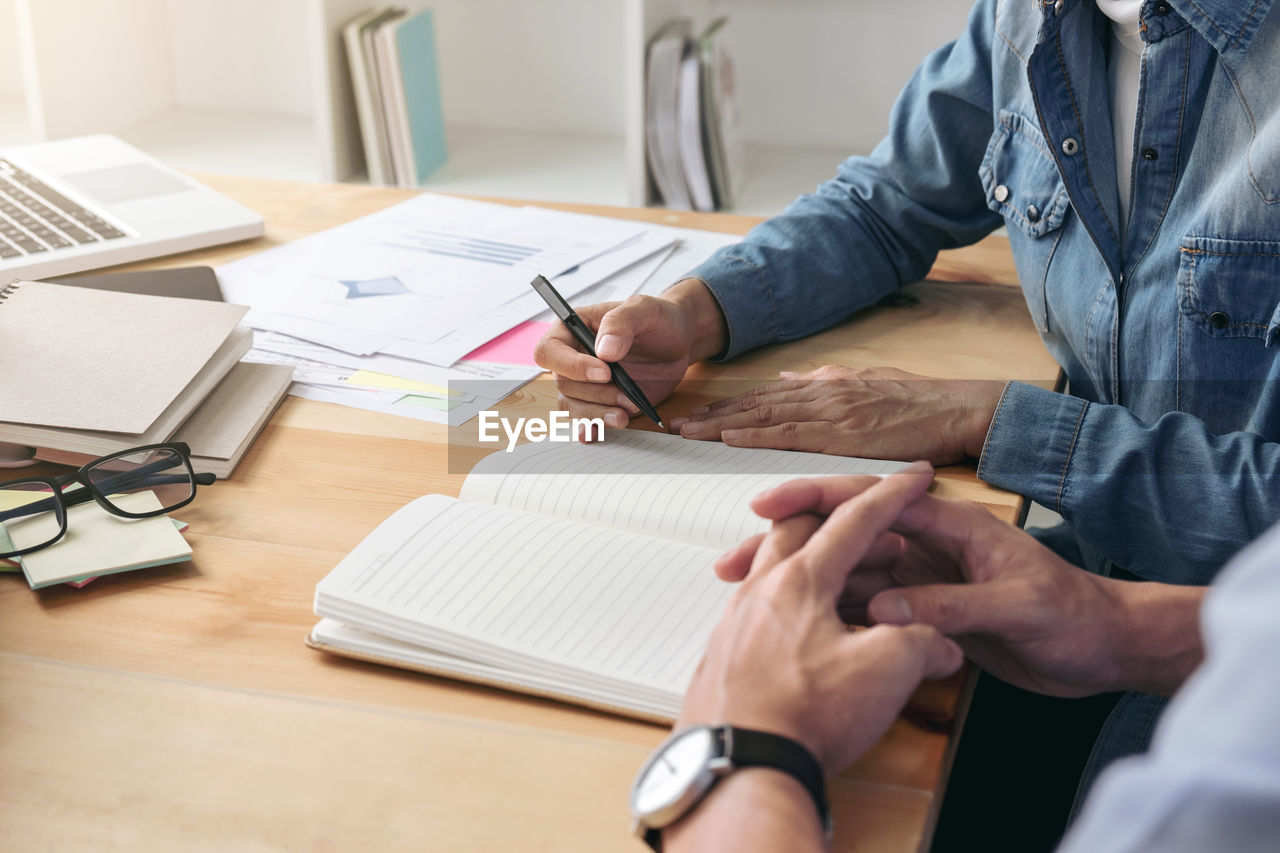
[(1031, 441), (746, 299)]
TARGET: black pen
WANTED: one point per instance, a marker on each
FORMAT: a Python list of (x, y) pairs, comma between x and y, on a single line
[(587, 338)]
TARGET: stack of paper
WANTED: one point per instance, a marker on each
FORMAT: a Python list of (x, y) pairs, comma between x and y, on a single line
[(419, 309), (96, 542)]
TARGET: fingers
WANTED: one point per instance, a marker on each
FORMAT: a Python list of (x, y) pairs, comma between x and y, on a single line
[(774, 412), (619, 326), (612, 416), (854, 526), (820, 495), (914, 652), (954, 609), (559, 352), (813, 437), (733, 565), (594, 392), (784, 539)]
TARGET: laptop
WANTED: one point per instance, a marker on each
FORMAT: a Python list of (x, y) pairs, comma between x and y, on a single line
[(94, 201)]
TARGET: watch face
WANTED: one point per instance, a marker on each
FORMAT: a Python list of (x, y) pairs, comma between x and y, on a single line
[(672, 771)]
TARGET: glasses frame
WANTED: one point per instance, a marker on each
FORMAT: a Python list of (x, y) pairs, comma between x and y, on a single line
[(62, 502)]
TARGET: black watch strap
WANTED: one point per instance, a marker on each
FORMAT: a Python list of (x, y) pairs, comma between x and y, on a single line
[(753, 748)]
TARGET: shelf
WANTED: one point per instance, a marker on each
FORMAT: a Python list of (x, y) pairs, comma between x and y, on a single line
[(586, 169), (250, 144), (776, 174)]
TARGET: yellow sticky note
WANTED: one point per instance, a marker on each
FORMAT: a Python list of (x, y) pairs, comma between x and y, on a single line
[(396, 383)]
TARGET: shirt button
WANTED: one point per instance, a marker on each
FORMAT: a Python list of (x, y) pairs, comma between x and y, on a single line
[(1001, 193), (1033, 214), (1070, 146), (1150, 154), (1219, 320)]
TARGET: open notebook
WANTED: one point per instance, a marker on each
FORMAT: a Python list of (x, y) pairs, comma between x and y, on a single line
[(581, 572)]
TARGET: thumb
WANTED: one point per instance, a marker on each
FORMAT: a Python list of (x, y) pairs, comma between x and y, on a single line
[(951, 608), (620, 326)]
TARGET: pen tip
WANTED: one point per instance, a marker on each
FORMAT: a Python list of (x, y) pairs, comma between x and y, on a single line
[(661, 425)]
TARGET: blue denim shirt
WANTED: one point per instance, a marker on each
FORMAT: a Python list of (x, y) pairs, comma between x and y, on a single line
[(1164, 456)]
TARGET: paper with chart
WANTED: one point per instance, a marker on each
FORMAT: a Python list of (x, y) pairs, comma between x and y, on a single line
[(420, 269)]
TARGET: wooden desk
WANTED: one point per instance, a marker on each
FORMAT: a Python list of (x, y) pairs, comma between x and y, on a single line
[(177, 708)]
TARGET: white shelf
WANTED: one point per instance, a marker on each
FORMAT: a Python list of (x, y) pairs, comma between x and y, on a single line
[(543, 99), (776, 174), (586, 169), (261, 146)]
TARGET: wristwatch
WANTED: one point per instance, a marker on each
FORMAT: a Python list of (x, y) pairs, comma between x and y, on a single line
[(687, 764)]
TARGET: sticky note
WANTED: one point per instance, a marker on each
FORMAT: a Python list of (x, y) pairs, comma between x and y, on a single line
[(513, 347)]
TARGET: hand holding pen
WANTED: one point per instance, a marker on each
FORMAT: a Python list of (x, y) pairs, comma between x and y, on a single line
[(653, 334)]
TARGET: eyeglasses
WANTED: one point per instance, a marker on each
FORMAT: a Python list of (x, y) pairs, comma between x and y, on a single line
[(138, 483)]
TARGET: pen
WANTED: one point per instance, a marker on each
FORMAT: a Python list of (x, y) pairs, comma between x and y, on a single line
[(587, 338)]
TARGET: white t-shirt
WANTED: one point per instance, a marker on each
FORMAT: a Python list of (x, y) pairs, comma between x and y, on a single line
[(1124, 73)]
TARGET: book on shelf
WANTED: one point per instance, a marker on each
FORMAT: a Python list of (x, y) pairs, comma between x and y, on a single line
[(694, 147), (723, 142), (95, 371), (396, 81), (577, 572), (367, 87)]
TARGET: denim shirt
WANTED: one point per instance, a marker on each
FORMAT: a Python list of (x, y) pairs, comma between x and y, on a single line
[(1164, 455)]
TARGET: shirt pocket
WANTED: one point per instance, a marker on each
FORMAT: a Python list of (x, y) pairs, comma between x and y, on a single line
[(1022, 184), (1229, 306)]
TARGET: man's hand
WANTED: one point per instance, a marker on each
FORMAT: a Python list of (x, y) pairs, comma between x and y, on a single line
[(656, 338), (880, 413), (1017, 609), (781, 660)]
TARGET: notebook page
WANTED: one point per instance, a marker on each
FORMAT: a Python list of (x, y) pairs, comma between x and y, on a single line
[(550, 596), (652, 483)]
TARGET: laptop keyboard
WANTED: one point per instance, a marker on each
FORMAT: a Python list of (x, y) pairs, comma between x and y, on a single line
[(34, 217)]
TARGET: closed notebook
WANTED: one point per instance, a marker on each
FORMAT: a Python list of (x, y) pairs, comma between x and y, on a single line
[(93, 371), (577, 572), (87, 359), (223, 427)]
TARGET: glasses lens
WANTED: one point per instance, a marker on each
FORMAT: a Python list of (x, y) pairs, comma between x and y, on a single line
[(147, 481), (30, 516)]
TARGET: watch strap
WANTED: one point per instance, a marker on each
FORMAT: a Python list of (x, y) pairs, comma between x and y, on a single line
[(754, 748)]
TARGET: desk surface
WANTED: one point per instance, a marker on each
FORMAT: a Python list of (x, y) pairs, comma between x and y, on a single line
[(177, 708)]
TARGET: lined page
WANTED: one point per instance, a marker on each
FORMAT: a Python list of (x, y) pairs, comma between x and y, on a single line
[(531, 592), (660, 485)]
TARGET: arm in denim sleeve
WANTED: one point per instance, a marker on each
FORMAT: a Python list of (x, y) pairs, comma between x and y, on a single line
[(881, 221), (1168, 500)]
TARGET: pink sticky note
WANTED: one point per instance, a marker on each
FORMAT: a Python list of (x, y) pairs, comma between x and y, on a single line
[(513, 347)]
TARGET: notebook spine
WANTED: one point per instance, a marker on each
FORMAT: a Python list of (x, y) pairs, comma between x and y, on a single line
[(7, 291)]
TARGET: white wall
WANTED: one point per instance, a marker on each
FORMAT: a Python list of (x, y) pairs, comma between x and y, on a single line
[(495, 74), (824, 73), (10, 59), (242, 55), (126, 39)]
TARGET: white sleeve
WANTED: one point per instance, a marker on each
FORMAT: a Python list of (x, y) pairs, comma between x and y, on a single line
[(1211, 781)]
